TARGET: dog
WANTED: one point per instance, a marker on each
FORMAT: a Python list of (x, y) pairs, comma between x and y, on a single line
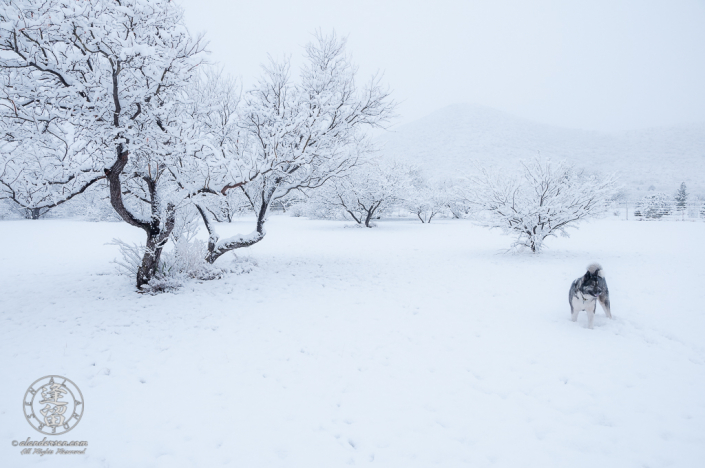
[(586, 291)]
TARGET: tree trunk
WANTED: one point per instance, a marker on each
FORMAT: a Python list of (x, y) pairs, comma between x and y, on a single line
[(216, 248), (157, 237), (150, 261), (368, 218), (157, 233), (370, 213), (34, 213)]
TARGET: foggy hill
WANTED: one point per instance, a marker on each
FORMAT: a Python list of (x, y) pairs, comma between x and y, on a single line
[(446, 142)]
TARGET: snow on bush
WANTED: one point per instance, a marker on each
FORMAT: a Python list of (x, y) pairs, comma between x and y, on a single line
[(654, 206), (185, 261), (540, 200)]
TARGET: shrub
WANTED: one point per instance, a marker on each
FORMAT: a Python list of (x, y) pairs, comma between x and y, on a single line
[(654, 206)]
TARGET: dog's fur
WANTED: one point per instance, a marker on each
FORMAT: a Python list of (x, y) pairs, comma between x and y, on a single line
[(586, 291)]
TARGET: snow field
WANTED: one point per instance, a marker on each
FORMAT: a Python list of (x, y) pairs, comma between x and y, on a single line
[(407, 345)]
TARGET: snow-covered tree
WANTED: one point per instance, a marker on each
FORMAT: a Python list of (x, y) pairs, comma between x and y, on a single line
[(366, 192), (457, 193), (40, 169), (296, 135), (110, 74), (45, 160), (681, 197), (654, 206), (425, 198), (543, 199), (120, 80)]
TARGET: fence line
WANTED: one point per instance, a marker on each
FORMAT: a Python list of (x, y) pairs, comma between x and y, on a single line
[(631, 210)]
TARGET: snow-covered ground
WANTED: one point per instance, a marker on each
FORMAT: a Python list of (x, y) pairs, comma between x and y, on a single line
[(407, 345)]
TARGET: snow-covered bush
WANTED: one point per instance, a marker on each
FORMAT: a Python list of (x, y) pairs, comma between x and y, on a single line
[(131, 255), (299, 210), (187, 224), (654, 206), (185, 261), (540, 200)]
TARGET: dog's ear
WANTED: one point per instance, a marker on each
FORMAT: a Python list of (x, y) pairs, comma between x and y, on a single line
[(587, 275)]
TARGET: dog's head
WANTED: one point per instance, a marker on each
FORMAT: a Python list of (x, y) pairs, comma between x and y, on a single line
[(593, 285)]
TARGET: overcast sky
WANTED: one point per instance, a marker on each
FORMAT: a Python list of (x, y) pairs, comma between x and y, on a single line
[(601, 65)]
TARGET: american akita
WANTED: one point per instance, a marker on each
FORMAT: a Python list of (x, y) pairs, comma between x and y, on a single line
[(586, 290)]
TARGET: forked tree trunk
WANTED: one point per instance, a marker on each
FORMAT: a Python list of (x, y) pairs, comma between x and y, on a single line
[(368, 218), (216, 248), (156, 239), (34, 213), (157, 232), (371, 212)]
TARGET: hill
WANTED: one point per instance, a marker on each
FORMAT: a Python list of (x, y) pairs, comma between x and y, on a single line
[(446, 142)]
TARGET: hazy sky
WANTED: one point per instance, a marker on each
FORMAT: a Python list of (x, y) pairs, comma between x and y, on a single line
[(603, 65)]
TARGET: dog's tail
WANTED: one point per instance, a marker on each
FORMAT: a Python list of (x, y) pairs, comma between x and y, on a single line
[(596, 268)]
